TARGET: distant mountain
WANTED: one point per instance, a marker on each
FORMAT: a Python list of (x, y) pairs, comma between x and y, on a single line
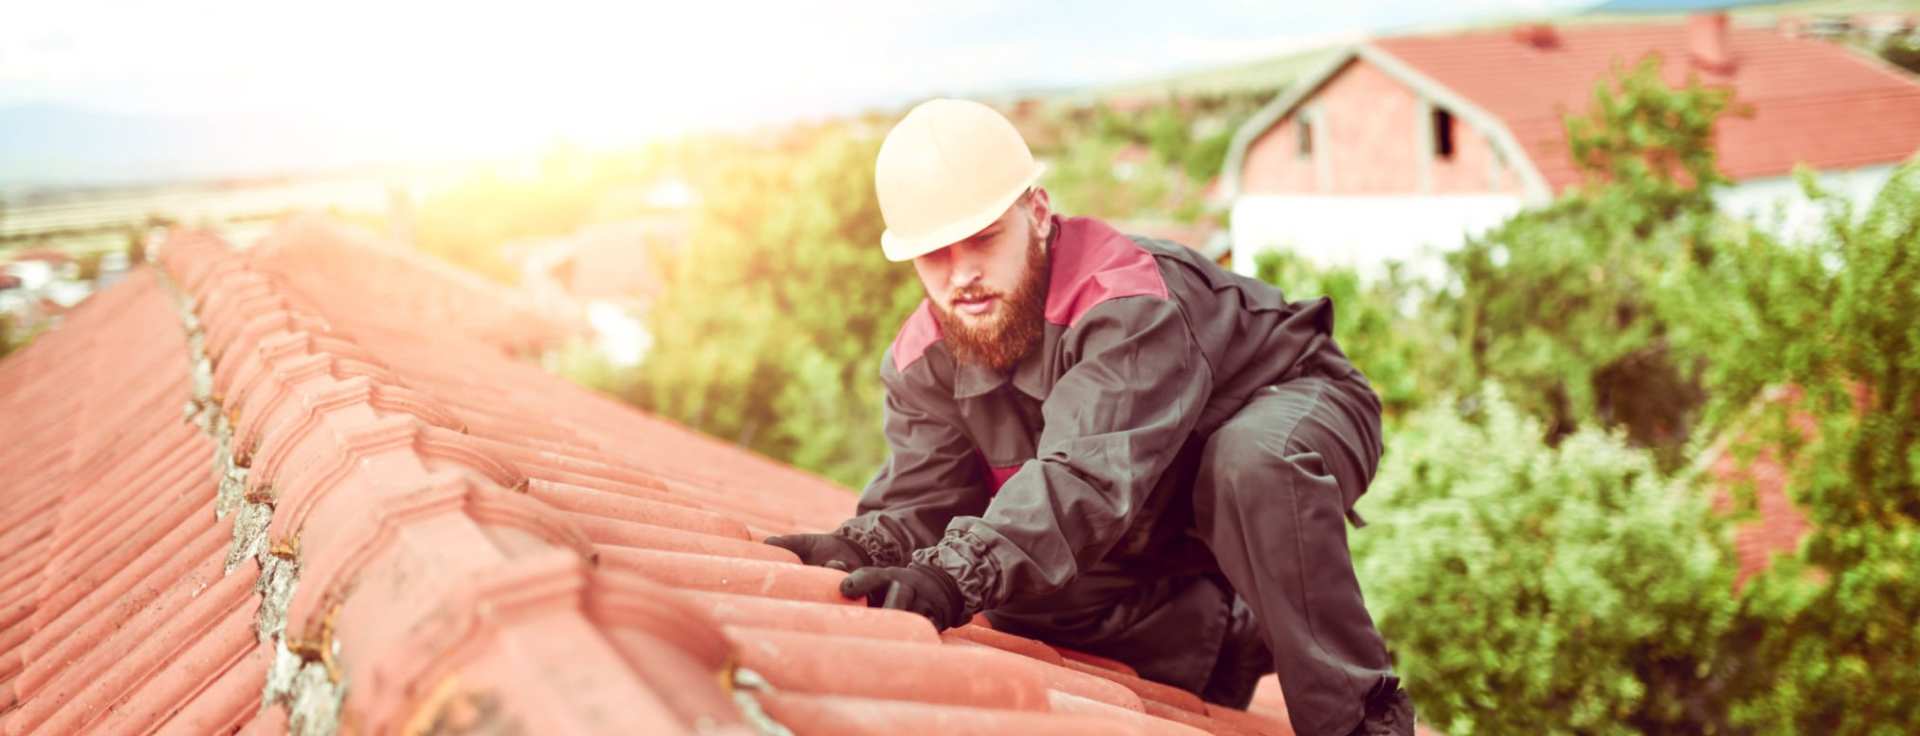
[(42, 144), (1673, 6), (1263, 75), (61, 145)]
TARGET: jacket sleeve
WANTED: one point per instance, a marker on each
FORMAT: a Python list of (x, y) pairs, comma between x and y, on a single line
[(1115, 418), (932, 473)]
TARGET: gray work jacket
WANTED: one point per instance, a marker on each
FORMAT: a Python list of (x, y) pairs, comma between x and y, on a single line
[(1016, 483)]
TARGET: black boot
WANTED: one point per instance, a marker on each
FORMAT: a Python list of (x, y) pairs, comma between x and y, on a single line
[(1389, 713), (1244, 659)]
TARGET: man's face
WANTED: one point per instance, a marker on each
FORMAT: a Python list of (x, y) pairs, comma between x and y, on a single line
[(989, 291)]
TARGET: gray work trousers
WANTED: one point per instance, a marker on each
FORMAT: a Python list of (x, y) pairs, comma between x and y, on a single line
[(1272, 490)]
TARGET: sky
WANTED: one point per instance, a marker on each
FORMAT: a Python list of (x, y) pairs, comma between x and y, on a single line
[(86, 83)]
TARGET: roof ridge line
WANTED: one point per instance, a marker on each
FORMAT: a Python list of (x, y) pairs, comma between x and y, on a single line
[(336, 450)]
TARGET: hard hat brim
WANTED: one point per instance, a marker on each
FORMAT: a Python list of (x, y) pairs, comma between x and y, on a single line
[(899, 247)]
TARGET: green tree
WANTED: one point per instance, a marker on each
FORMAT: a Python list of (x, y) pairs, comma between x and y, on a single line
[(1085, 180), (1647, 147), (1529, 589), (1831, 630), (1186, 141), (1902, 51), (1559, 303), (773, 320), (1375, 323)]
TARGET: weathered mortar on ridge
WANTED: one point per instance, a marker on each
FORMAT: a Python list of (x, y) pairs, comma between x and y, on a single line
[(304, 684), (299, 678), (744, 683)]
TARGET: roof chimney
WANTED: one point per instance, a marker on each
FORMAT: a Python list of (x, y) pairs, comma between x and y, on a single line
[(1537, 35), (1707, 41)]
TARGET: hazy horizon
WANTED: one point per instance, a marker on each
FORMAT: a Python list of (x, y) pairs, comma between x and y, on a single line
[(216, 88)]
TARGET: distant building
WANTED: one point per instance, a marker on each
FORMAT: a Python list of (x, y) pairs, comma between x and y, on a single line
[(606, 271), (1405, 143), (38, 285)]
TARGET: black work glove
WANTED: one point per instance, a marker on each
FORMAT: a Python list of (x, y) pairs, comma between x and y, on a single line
[(823, 550), (922, 589)]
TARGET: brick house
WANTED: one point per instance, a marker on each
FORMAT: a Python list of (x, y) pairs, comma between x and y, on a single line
[(1404, 143)]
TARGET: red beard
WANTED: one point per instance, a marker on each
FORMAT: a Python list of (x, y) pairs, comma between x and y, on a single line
[(1003, 343)]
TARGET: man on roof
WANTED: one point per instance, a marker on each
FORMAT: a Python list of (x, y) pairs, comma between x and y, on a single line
[(1110, 443)]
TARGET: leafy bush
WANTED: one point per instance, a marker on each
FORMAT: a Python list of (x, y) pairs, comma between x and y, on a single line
[(1185, 144), (1902, 51), (1647, 147), (1084, 179), (771, 323), (1529, 589), (1832, 630), (1558, 303), (1190, 133), (587, 364), (1378, 323), (7, 337)]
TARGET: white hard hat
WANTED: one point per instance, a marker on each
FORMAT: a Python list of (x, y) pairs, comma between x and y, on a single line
[(946, 171)]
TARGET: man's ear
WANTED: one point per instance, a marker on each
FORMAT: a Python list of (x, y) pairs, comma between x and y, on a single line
[(1040, 208)]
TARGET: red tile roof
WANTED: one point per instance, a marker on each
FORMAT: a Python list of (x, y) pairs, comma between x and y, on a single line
[(1813, 102), (368, 516), (1775, 525), (315, 254)]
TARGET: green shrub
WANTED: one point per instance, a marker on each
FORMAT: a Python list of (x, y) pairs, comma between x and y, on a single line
[(1084, 180), (772, 321), (1529, 589), (587, 364), (1834, 630), (1378, 323), (1559, 303), (1902, 51)]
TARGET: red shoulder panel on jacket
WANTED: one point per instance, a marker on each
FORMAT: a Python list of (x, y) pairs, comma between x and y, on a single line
[(1092, 262), (920, 332)]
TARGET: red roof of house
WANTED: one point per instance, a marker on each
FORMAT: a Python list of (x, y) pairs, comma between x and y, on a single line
[(1813, 102), (1776, 526), (45, 255), (1771, 523), (243, 496)]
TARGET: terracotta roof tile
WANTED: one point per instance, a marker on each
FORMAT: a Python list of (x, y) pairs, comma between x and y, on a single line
[(1064, 702), (894, 670), (310, 475), (1148, 690), (838, 714)]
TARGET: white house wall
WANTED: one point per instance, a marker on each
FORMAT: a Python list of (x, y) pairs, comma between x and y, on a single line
[(1777, 204), (1368, 231), (1363, 231)]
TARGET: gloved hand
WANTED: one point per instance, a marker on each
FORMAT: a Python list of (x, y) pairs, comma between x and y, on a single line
[(823, 550), (922, 589)]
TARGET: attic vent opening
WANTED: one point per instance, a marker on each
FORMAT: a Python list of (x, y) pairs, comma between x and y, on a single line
[(1303, 135), (1442, 133)]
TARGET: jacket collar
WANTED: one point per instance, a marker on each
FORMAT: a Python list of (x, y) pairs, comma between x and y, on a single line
[(1029, 376)]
